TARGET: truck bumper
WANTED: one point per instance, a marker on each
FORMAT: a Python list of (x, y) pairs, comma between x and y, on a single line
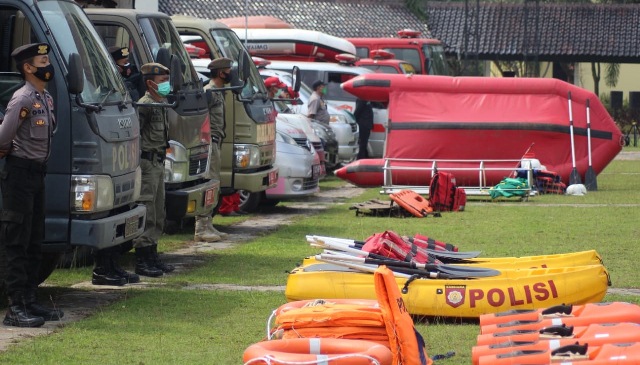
[(255, 181), (109, 231), (192, 201)]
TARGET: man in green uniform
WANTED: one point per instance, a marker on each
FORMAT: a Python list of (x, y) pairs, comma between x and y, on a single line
[(25, 140), (154, 140), (220, 75)]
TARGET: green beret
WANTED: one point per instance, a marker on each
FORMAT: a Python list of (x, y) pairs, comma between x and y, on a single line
[(119, 53), (29, 51), (154, 69), (220, 63)]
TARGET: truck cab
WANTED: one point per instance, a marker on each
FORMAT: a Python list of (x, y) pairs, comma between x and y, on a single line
[(93, 174), (249, 148), (425, 54), (151, 37)]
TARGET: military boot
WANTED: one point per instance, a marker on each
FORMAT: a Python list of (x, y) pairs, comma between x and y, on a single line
[(145, 264), (103, 273), (48, 314), (129, 277), (18, 315), (158, 263), (204, 230), (211, 228)]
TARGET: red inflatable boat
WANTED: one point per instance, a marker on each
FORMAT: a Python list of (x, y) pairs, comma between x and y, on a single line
[(469, 119)]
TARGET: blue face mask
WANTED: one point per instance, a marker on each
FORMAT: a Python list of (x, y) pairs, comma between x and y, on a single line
[(164, 88)]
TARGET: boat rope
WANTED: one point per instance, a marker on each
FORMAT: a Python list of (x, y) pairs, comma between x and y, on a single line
[(269, 360)]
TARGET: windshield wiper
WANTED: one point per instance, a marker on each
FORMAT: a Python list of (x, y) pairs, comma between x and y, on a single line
[(113, 90)]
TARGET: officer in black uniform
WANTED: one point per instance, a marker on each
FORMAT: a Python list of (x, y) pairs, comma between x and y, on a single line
[(132, 78), (25, 140)]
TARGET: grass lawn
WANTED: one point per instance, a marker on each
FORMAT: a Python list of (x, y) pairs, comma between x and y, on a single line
[(176, 325)]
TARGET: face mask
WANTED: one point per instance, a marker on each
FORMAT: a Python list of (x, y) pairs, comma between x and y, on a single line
[(226, 77), (44, 73), (164, 88), (324, 90), (125, 69)]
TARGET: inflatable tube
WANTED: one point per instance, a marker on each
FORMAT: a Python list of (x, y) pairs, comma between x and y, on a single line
[(322, 350)]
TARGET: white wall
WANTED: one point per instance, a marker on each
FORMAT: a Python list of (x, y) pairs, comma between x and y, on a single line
[(147, 5)]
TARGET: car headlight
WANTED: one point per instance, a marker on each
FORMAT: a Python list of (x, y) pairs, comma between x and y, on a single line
[(285, 138), (91, 193), (338, 118), (176, 166), (247, 155)]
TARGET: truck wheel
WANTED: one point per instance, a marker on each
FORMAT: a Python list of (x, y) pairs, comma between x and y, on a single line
[(249, 201), (49, 263)]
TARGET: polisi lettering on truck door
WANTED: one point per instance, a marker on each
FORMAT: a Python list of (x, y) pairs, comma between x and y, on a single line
[(125, 155), (456, 295)]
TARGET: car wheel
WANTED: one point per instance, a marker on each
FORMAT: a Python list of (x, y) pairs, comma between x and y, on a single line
[(269, 202), (249, 201)]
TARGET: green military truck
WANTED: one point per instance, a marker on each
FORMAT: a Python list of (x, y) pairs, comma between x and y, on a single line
[(93, 176), (151, 37), (248, 151)]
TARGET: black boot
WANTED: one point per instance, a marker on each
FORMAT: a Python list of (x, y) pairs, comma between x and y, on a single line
[(17, 314), (145, 265), (129, 277), (103, 273), (158, 263), (48, 314)]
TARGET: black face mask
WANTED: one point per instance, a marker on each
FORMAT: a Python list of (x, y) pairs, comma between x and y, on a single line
[(226, 77), (44, 73), (127, 69)]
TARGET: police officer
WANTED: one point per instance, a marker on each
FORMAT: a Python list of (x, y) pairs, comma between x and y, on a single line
[(154, 140), (25, 140), (127, 70), (220, 74), (317, 108)]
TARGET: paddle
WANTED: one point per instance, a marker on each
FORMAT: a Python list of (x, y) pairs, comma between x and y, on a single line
[(590, 180), (451, 271), (574, 178), (444, 256)]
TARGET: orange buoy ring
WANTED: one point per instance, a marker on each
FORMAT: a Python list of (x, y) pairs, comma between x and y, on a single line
[(326, 351)]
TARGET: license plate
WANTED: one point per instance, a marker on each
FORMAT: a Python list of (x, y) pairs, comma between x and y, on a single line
[(131, 226), (209, 197), (317, 170), (273, 178)]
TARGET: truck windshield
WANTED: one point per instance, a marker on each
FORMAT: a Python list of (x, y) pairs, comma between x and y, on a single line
[(160, 33), (437, 62), (74, 33), (231, 47)]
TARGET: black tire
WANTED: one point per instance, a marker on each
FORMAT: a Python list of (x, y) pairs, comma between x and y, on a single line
[(269, 202), (80, 256), (50, 261), (249, 202)]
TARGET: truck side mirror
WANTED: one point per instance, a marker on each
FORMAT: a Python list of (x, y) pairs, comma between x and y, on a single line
[(244, 67), (296, 78), (75, 77), (177, 78)]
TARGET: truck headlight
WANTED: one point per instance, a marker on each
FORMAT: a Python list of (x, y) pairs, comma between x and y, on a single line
[(137, 184), (92, 193), (176, 166), (247, 155)]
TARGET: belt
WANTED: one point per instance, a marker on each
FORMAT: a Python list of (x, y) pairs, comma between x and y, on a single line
[(153, 156), (25, 163)]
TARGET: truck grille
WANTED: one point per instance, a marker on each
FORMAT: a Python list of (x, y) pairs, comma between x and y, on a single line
[(267, 154), (303, 142), (198, 158), (309, 183)]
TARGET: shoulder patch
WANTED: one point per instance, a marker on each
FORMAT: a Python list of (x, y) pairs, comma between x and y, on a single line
[(24, 112)]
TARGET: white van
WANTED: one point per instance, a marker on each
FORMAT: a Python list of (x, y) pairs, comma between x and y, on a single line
[(334, 74)]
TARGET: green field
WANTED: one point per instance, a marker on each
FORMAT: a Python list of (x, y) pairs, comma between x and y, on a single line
[(177, 323)]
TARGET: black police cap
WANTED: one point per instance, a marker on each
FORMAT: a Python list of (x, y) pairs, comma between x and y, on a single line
[(27, 51), (119, 53)]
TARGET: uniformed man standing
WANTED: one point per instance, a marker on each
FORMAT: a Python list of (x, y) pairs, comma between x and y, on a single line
[(317, 108), (220, 75), (127, 70), (25, 140), (154, 140)]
